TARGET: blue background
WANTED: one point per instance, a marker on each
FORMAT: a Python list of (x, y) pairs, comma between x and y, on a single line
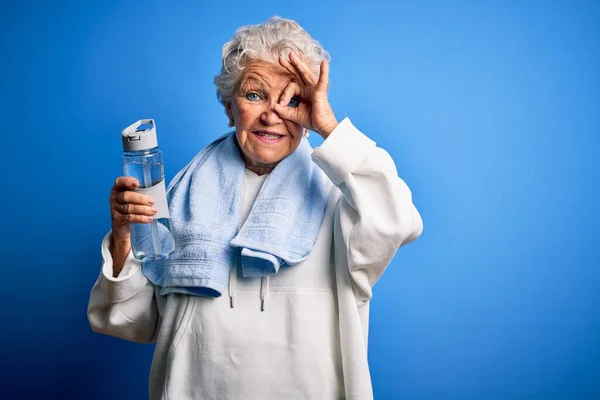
[(490, 109)]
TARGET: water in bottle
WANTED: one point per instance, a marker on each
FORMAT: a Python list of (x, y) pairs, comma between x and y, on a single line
[(143, 160)]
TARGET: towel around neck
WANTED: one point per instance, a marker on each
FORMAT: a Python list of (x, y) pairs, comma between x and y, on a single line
[(205, 201)]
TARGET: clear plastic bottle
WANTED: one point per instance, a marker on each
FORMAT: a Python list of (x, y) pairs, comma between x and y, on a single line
[(143, 160)]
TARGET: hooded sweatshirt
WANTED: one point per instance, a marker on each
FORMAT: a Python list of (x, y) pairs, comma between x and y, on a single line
[(299, 334)]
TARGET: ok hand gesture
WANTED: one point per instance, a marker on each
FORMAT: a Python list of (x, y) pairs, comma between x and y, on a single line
[(313, 111)]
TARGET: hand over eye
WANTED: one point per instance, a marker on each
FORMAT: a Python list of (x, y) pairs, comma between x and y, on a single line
[(305, 102)]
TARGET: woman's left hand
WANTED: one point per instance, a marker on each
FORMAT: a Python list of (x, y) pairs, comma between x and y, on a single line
[(313, 111)]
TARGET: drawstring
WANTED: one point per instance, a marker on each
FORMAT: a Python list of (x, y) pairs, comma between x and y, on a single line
[(264, 289), (232, 283)]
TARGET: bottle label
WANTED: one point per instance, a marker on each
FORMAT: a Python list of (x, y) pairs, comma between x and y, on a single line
[(159, 193)]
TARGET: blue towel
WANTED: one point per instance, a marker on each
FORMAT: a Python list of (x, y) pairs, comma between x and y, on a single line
[(205, 201)]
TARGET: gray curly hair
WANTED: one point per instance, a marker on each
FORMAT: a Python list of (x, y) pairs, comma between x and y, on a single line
[(266, 42)]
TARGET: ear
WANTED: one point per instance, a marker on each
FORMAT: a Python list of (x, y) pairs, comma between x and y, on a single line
[(228, 110)]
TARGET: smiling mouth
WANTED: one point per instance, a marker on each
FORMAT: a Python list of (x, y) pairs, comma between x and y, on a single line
[(268, 137)]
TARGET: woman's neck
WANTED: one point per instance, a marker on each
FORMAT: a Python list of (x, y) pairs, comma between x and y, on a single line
[(258, 168)]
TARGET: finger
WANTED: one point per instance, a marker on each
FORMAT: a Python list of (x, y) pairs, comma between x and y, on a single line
[(126, 183), (291, 90), (305, 72), (131, 218), (286, 63), (129, 197), (323, 82), (289, 113), (291, 69), (128, 208)]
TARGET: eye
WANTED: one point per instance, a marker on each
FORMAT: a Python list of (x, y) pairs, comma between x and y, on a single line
[(294, 102), (252, 96)]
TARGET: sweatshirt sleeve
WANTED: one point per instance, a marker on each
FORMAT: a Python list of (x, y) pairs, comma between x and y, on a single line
[(376, 213), (125, 306)]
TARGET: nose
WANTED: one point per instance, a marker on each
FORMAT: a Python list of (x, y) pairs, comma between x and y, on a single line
[(270, 117)]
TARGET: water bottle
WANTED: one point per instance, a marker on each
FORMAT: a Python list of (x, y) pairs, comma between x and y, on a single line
[(143, 160)]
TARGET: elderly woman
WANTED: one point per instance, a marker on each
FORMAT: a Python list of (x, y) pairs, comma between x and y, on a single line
[(294, 238)]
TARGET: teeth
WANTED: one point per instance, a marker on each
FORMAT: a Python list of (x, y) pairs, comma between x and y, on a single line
[(268, 136)]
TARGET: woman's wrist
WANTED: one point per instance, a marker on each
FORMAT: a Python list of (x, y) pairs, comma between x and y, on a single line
[(119, 249), (327, 128)]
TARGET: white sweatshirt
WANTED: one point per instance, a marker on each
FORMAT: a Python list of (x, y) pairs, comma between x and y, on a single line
[(310, 342)]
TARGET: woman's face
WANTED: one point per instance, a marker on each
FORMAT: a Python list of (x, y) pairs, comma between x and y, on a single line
[(264, 137)]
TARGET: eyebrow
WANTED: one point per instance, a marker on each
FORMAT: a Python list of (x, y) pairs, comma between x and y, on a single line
[(253, 82)]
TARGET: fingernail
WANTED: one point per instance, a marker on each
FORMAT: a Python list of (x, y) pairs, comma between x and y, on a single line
[(282, 102), (154, 210), (150, 219), (150, 200)]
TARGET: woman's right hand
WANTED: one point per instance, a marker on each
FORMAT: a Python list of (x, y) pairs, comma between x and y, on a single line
[(127, 206)]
